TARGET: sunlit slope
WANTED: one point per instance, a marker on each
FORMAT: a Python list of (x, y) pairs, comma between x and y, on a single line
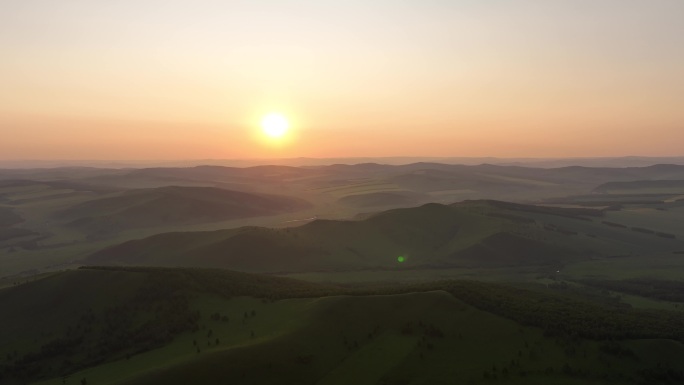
[(470, 234), (173, 205)]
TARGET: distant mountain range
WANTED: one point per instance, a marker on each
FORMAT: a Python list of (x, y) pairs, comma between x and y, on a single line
[(625, 161)]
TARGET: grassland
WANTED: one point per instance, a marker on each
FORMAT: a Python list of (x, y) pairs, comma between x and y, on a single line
[(289, 331), (551, 294)]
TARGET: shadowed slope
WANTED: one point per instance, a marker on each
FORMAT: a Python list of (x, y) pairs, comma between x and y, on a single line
[(468, 234), (174, 205)]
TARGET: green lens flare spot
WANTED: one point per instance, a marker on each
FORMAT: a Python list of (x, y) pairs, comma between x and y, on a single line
[(401, 259)]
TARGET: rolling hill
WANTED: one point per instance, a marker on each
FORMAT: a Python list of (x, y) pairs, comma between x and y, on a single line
[(69, 213), (179, 326), (451, 180), (468, 234), (75, 319), (173, 205)]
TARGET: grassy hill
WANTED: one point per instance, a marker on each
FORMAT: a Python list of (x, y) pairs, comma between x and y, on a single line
[(173, 205), (178, 326), (468, 234), (83, 318)]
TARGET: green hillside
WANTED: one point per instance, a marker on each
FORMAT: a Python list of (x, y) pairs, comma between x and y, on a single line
[(179, 326), (468, 234), (83, 318)]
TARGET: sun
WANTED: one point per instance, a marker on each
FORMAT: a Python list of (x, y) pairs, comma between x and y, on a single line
[(274, 125)]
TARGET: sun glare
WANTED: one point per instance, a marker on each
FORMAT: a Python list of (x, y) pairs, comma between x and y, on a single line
[(274, 125)]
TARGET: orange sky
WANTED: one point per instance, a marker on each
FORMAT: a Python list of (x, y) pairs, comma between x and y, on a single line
[(190, 80)]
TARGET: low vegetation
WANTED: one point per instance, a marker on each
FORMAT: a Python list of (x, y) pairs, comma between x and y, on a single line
[(586, 293), (557, 331)]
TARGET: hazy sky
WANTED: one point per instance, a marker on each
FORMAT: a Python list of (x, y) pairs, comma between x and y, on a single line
[(171, 79)]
